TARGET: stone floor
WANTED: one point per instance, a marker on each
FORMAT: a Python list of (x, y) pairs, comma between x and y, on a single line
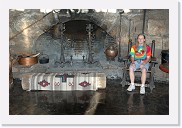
[(114, 100)]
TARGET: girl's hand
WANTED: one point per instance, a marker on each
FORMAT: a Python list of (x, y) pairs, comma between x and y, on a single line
[(133, 64)]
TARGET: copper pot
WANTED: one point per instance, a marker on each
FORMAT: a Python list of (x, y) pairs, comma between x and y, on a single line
[(111, 52), (28, 59)]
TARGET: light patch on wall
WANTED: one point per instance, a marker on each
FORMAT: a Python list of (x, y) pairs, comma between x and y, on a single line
[(26, 33), (127, 10), (106, 10), (101, 10), (20, 9), (112, 10), (46, 10), (84, 10)]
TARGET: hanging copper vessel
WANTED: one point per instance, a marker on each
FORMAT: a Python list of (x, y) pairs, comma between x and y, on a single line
[(111, 52)]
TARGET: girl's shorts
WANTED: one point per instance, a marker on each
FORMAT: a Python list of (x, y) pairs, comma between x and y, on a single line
[(138, 63)]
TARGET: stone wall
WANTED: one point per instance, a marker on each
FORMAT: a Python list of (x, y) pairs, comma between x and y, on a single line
[(156, 28), (23, 41)]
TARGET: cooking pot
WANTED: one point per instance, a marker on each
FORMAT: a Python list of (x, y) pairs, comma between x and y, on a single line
[(43, 59), (28, 59), (111, 52)]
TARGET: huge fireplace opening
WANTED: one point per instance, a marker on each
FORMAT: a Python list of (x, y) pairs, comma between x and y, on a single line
[(72, 47), (75, 45)]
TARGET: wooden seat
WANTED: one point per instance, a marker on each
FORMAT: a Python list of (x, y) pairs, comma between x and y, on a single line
[(151, 70)]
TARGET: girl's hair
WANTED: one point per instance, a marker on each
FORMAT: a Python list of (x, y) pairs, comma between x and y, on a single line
[(144, 44)]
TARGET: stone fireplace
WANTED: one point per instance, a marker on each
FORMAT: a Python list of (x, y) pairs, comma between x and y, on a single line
[(74, 40), (78, 44)]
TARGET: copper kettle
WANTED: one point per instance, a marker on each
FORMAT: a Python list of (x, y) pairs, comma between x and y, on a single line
[(111, 52)]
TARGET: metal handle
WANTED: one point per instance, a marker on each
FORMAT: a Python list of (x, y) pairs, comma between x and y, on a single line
[(44, 54)]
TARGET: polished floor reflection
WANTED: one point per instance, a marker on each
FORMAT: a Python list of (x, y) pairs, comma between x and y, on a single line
[(114, 100)]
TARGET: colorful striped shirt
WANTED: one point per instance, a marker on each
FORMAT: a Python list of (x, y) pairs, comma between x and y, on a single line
[(139, 54)]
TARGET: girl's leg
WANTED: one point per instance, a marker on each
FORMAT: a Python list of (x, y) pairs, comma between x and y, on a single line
[(132, 75), (132, 78), (143, 77)]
